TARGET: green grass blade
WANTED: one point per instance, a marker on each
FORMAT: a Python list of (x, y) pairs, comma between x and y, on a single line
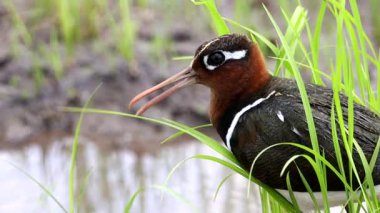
[(257, 35), (214, 145), (46, 190), (83, 186), (74, 152), (273, 193), (220, 185), (304, 97), (131, 201), (178, 58), (218, 23), (178, 134), (291, 193), (161, 188), (174, 169), (19, 24), (315, 42)]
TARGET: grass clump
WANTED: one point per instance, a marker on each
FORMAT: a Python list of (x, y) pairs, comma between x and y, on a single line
[(354, 54), (21, 34), (126, 31)]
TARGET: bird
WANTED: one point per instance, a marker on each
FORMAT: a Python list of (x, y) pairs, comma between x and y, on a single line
[(252, 110)]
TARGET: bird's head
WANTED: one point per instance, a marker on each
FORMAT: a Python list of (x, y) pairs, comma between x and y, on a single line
[(228, 65)]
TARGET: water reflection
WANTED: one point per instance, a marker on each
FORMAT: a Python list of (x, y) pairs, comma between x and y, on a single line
[(106, 180)]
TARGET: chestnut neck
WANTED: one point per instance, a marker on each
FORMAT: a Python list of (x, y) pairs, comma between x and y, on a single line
[(246, 88)]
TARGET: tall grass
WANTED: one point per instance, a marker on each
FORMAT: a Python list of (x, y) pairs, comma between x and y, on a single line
[(73, 198), (52, 52), (68, 17), (375, 19), (219, 25), (78, 21), (226, 159), (74, 20), (71, 23), (21, 34), (38, 75), (354, 54), (242, 10), (126, 31)]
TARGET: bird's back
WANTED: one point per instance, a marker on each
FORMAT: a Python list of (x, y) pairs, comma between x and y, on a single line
[(281, 118)]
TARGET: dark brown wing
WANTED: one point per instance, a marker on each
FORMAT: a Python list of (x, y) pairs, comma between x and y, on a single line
[(281, 119)]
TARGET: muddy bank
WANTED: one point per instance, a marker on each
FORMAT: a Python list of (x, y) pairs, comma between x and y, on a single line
[(32, 97), (26, 114)]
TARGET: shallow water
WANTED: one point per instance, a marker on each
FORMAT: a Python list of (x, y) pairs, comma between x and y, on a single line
[(109, 178)]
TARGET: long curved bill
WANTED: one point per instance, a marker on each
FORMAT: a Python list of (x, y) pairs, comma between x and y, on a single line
[(184, 78)]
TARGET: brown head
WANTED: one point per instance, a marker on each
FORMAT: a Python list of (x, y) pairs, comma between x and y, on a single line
[(232, 66)]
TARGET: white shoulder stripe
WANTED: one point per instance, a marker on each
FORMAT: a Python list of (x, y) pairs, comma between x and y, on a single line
[(239, 114)]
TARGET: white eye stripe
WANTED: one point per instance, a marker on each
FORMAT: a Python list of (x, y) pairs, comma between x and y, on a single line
[(235, 55), (239, 54)]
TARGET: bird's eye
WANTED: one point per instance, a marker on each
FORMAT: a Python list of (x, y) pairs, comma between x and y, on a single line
[(215, 59)]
